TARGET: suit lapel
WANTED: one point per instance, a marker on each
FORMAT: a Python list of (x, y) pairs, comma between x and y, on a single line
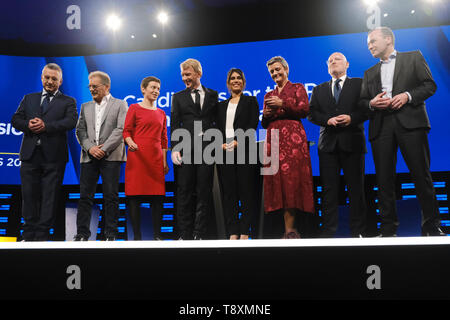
[(107, 109), (205, 101), (330, 92), (345, 88), (240, 107), (377, 78), (36, 105), (190, 101), (398, 64)]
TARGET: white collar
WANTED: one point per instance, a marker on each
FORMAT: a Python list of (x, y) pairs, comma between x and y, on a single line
[(342, 79), (104, 100), (44, 92), (391, 57)]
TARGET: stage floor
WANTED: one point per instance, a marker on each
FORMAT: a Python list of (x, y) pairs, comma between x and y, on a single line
[(253, 243), (220, 270)]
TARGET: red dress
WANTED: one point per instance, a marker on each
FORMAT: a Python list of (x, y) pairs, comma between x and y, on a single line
[(292, 185), (144, 171)]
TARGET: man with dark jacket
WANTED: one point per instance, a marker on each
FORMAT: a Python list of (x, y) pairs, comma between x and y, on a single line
[(342, 145), (44, 118)]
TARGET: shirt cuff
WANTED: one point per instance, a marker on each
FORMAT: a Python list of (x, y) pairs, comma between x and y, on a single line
[(409, 96)]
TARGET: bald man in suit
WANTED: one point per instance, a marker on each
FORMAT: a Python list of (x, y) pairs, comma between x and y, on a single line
[(393, 92), (342, 145)]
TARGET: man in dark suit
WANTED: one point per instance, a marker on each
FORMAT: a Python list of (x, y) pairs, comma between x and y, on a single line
[(342, 145), (194, 110), (394, 93), (44, 118), (99, 132)]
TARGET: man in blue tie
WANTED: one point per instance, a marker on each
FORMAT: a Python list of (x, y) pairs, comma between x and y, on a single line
[(342, 144), (44, 118)]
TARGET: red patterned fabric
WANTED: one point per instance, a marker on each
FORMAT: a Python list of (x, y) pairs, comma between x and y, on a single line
[(144, 171), (292, 186)]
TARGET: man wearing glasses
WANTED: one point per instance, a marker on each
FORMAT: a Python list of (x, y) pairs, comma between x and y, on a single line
[(99, 132)]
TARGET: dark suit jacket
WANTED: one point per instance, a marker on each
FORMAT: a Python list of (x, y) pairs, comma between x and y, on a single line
[(323, 107), (184, 112), (60, 117), (246, 116), (411, 74)]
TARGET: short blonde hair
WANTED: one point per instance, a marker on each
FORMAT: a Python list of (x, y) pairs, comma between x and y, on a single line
[(279, 59), (195, 64), (104, 77)]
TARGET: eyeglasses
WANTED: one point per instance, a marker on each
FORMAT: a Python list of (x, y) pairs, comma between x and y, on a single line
[(94, 86)]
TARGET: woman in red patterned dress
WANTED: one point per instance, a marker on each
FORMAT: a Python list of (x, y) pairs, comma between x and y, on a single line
[(145, 133), (290, 188)]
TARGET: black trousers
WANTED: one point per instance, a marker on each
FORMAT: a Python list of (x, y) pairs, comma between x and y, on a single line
[(352, 165), (134, 211), (194, 189), (239, 182), (415, 150), (41, 184), (89, 175)]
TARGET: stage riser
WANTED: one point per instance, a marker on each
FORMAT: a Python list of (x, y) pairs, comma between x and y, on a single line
[(281, 273)]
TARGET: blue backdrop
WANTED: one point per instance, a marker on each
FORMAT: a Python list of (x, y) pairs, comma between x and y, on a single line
[(306, 57)]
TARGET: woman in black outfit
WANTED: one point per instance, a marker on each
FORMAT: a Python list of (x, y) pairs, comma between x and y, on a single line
[(239, 172)]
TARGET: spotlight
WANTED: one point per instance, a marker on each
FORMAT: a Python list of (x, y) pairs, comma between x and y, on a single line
[(113, 22), (370, 2), (163, 17), (385, 15), (154, 35), (413, 11)]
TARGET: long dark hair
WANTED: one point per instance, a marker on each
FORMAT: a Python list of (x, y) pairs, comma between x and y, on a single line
[(238, 71)]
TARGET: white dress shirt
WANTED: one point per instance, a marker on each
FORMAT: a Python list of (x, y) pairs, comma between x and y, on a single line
[(99, 111), (387, 73), (231, 112)]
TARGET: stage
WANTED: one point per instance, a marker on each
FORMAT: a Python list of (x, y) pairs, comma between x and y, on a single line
[(224, 270)]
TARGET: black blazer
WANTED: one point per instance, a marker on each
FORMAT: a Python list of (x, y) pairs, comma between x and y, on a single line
[(411, 74), (60, 117), (184, 112), (246, 116), (323, 107)]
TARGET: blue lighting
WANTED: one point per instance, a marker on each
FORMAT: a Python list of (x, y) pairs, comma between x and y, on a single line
[(166, 229)]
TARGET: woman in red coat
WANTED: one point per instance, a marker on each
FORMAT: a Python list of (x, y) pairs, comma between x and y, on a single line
[(290, 188), (145, 133)]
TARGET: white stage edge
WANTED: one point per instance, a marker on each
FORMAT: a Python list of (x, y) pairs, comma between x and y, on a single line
[(259, 243)]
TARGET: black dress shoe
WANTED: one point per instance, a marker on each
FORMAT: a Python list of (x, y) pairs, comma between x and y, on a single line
[(79, 237), (110, 239), (434, 232), (197, 237)]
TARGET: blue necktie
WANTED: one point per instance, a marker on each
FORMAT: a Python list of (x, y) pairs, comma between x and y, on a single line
[(46, 102), (337, 90)]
